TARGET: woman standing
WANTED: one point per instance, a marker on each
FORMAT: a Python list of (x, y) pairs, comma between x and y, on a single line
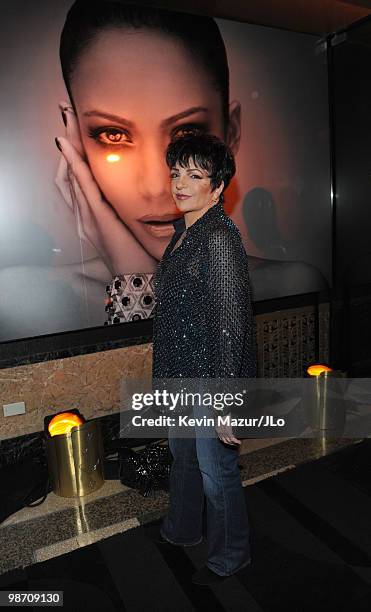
[(203, 328)]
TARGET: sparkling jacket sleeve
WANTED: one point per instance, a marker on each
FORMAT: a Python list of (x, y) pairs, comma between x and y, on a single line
[(230, 319)]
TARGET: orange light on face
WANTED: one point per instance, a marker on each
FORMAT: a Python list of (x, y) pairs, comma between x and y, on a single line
[(317, 369), (112, 158), (63, 423)]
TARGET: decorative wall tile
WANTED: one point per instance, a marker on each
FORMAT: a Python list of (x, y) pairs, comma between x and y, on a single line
[(324, 332), (286, 342)]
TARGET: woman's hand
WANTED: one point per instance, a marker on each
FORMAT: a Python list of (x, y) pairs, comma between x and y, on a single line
[(225, 434), (97, 222)]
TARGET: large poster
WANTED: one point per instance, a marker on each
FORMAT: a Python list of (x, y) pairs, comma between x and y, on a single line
[(113, 84)]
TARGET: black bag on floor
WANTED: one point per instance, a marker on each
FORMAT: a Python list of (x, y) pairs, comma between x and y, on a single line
[(21, 485), (145, 469)]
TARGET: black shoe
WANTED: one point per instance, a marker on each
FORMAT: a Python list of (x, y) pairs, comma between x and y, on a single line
[(205, 576)]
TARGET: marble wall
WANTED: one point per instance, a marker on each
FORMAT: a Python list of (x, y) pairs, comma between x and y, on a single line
[(90, 383)]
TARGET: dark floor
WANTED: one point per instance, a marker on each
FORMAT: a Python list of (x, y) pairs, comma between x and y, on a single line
[(60, 525)]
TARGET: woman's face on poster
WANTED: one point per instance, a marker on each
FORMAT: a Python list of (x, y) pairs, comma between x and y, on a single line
[(133, 91)]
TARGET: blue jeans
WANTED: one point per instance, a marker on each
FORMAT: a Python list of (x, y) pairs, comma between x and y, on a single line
[(205, 466)]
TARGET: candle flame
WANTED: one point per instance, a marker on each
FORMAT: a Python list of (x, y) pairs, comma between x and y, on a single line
[(317, 369), (63, 423)]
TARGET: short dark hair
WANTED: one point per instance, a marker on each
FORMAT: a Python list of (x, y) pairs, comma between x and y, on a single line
[(208, 153), (199, 34)]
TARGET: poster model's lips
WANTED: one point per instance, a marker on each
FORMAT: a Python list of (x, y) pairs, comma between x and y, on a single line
[(159, 230), (159, 218), (180, 196), (159, 227)]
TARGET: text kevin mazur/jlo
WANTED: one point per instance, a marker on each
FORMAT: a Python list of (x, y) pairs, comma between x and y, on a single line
[(219, 420)]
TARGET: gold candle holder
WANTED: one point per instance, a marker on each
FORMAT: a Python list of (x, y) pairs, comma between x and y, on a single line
[(75, 458)]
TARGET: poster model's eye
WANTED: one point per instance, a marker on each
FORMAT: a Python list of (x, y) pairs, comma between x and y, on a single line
[(110, 136), (184, 130)]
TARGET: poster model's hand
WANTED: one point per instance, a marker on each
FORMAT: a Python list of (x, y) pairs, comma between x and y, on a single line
[(97, 222), (225, 434)]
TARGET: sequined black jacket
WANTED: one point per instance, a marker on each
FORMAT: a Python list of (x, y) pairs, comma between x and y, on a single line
[(203, 325)]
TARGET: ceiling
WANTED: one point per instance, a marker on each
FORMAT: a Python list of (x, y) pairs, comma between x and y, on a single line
[(312, 16)]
